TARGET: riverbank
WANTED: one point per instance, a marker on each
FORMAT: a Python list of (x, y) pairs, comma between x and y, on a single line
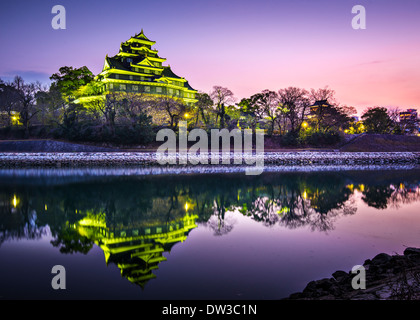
[(119, 159), (388, 277), (349, 143)]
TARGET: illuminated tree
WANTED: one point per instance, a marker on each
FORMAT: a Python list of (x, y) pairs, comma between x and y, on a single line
[(69, 79)]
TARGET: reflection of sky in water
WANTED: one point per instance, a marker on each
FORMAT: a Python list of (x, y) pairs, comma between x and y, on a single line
[(245, 245)]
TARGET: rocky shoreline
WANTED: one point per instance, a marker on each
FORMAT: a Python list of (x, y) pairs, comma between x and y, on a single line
[(302, 158), (388, 277)]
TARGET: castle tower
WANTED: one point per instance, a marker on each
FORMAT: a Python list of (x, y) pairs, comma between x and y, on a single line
[(137, 68)]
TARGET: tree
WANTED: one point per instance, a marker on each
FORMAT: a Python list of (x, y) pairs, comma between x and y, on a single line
[(325, 100), (9, 100), (27, 93), (221, 97), (174, 108), (109, 109), (296, 102), (253, 108), (377, 120), (203, 108), (68, 79), (132, 106), (134, 123), (269, 104), (394, 116), (335, 118)]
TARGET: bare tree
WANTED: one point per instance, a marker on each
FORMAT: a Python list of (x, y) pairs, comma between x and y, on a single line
[(173, 107), (222, 97), (9, 100), (297, 103), (133, 105), (324, 99), (27, 93)]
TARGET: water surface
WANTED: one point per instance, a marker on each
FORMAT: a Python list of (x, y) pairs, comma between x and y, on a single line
[(197, 236)]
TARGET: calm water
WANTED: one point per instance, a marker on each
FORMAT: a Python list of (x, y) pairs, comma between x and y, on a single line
[(212, 236)]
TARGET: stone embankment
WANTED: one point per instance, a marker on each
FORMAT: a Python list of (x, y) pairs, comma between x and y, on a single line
[(31, 146), (112, 159), (388, 277)]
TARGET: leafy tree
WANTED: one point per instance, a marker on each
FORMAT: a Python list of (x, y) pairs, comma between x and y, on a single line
[(377, 120), (69, 79), (250, 108), (203, 108), (269, 105)]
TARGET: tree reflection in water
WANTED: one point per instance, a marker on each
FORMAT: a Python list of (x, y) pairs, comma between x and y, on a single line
[(136, 219)]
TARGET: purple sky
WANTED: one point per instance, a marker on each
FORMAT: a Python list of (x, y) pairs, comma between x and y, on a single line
[(247, 46)]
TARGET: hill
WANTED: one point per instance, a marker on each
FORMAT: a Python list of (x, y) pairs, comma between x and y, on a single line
[(382, 143)]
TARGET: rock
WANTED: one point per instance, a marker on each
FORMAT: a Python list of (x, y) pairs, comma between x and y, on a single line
[(387, 277), (381, 258), (324, 284), (412, 251), (340, 275), (296, 295), (367, 262)]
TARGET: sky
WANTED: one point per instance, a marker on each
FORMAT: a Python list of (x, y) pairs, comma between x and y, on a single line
[(246, 46)]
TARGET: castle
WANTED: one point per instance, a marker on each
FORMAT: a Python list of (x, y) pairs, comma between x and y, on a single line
[(137, 68)]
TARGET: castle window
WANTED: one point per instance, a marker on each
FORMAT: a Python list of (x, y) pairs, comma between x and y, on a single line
[(147, 89), (123, 87), (159, 89), (129, 60), (117, 76), (135, 88), (111, 86), (131, 77)]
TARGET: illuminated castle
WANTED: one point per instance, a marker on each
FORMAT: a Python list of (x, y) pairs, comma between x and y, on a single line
[(137, 68)]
